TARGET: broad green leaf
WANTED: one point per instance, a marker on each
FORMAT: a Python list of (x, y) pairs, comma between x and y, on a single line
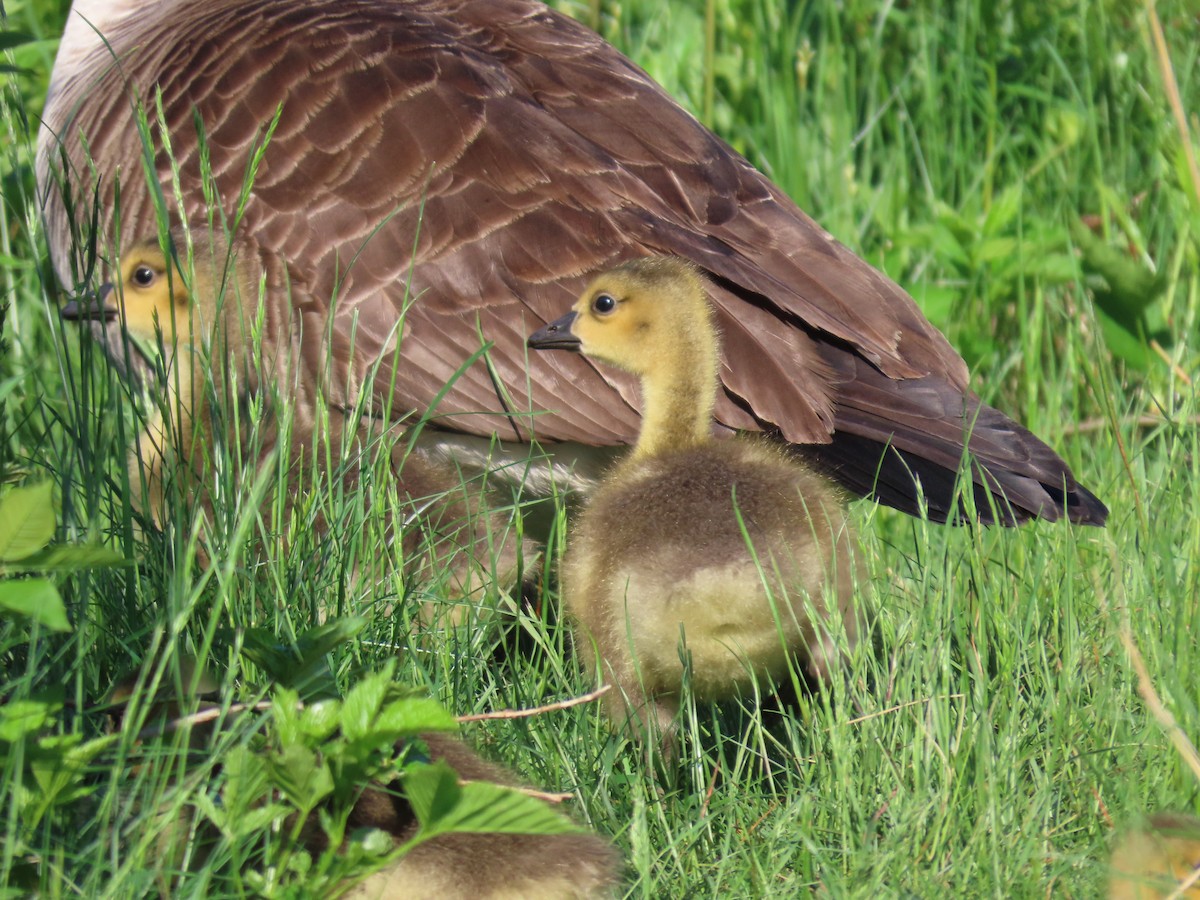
[(66, 558), (432, 791), (246, 781), (34, 598), (362, 705), (321, 719), (994, 248), (1121, 343), (314, 644), (937, 301), (1003, 210), (19, 718), (26, 521), (413, 715), (285, 709), (442, 805), (302, 778), (487, 807), (60, 768)]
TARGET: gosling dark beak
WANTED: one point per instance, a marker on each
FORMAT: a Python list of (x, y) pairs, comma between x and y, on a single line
[(100, 308), (556, 336)]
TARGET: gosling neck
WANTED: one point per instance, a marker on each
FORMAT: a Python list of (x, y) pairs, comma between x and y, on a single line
[(678, 396)]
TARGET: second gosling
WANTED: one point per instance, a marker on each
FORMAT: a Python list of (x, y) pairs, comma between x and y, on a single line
[(730, 545)]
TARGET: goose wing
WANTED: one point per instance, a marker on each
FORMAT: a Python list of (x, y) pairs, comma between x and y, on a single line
[(443, 174)]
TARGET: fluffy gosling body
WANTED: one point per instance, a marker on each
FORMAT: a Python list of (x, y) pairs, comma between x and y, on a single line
[(481, 866), (579, 865), (1152, 861), (732, 546)]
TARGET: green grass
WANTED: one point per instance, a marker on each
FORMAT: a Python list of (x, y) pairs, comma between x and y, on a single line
[(996, 738)]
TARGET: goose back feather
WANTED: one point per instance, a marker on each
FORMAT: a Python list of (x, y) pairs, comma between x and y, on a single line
[(446, 173)]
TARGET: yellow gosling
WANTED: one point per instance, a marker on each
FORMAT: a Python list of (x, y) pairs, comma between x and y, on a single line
[(574, 865), (731, 548), (1155, 859), (162, 310), (482, 866)]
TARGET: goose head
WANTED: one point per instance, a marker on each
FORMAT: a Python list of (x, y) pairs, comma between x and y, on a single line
[(148, 296), (641, 316), (159, 300), (650, 317)]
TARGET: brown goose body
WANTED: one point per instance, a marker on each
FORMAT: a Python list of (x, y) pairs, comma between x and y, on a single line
[(445, 173), (731, 547)]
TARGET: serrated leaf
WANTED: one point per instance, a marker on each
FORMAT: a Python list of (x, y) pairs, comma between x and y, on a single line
[(413, 715), (66, 558), (487, 807), (301, 777), (34, 598), (19, 718), (285, 710), (246, 781), (257, 819), (321, 719), (317, 642), (432, 791), (26, 521), (443, 806), (362, 705), (59, 766)]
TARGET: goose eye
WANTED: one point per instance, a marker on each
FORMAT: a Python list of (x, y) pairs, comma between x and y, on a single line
[(143, 276), (603, 304)]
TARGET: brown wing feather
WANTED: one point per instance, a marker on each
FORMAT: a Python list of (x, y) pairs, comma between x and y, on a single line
[(444, 173)]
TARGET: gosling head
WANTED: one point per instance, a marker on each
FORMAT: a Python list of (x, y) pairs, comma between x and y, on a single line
[(634, 315), (149, 297)]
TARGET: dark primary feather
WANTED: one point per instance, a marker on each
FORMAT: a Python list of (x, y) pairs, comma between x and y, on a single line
[(446, 173)]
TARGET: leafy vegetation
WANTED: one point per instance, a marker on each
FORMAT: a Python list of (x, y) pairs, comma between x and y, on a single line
[(1020, 168)]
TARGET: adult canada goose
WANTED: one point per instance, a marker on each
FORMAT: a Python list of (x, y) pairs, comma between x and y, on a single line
[(202, 322), (443, 173), (743, 550), (575, 865), (1156, 858)]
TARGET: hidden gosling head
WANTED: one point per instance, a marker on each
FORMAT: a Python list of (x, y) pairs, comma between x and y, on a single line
[(148, 295)]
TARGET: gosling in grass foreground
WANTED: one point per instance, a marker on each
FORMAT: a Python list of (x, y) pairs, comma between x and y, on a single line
[(486, 865), (1156, 859), (570, 865), (212, 338), (731, 546)]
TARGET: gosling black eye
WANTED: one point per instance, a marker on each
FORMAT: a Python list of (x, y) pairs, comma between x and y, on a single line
[(143, 276), (603, 304)]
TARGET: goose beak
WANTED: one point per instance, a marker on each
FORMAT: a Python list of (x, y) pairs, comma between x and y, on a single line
[(556, 336), (99, 308)]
